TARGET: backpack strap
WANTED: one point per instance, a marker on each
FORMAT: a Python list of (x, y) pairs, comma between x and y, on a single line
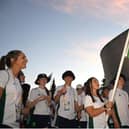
[(47, 91), (2, 100)]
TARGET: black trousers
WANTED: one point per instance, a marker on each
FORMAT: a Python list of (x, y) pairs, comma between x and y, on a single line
[(66, 123), (82, 124), (125, 126), (41, 121), (4, 126)]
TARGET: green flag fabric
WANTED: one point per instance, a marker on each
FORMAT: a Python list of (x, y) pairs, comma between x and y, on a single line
[(128, 54)]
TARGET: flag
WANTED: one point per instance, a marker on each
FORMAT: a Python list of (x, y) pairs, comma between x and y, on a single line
[(111, 56), (124, 37), (53, 89)]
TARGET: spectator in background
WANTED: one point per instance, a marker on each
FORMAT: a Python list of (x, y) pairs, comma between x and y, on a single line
[(112, 121), (25, 92), (25, 87), (121, 102), (81, 114), (10, 66)]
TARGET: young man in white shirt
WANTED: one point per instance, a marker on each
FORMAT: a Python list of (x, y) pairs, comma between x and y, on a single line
[(121, 103), (66, 97)]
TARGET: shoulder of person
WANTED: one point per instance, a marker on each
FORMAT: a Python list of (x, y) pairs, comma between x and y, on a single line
[(59, 87), (88, 97), (4, 78), (126, 92), (88, 101), (34, 89), (4, 72)]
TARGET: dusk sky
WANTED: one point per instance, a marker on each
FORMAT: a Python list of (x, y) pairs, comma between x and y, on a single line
[(59, 35)]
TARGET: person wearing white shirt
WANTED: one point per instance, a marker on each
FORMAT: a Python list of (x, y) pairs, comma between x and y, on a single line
[(112, 120), (10, 65), (66, 97), (94, 105), (81, 114), (121, 101), (40, 100)]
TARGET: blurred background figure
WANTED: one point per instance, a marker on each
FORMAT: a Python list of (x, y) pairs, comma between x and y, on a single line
[(121, 102), (25, 87), (81, 114), (25, 92)]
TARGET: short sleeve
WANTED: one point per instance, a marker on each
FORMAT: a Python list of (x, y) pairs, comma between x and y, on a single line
[(88, 101), (127, 96), (3, 78), (31, 95), (57, 89)]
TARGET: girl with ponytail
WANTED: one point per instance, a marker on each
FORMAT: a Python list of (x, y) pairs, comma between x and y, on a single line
[(10, 66), (94, 104)]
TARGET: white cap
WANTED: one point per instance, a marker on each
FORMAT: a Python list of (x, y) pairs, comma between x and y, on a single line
[(79, 86)]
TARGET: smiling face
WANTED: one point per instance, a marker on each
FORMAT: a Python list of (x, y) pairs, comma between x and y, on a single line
[(42, 81)]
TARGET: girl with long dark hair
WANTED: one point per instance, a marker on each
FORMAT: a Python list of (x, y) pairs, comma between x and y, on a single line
[(94, 105)]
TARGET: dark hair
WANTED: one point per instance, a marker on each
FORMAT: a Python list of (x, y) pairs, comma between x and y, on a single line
[(20, 74), (6, 60), (121, 75), (68, 73), (25, 92), (104, 88), (87, 88), (42, 75)]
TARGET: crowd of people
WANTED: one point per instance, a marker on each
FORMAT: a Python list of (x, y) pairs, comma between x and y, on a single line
[(85, 106)]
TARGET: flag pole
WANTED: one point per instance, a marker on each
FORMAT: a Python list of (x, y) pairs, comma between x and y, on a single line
[(119, 70)]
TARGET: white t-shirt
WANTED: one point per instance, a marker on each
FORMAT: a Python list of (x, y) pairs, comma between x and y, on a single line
[(81, 98), (122, 103), (13, 95), (98, 121), (41, 108), (67, 108)]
